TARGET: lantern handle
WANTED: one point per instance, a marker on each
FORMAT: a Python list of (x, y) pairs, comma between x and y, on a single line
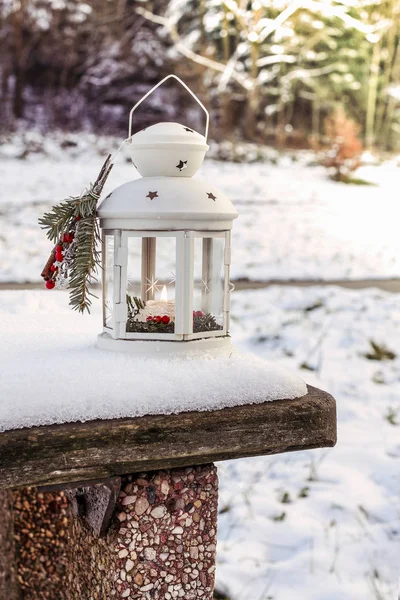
[(153, 89)]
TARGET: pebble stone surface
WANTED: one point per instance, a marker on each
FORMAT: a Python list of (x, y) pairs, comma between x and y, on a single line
[(41, 523), (166, 544), (161, 544)]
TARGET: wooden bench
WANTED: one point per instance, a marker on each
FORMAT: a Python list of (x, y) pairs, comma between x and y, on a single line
[(144, 496)]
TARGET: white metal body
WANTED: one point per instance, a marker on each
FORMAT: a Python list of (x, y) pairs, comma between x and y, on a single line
[(181, 203), (167, 150), (166, 202), (160, 348)]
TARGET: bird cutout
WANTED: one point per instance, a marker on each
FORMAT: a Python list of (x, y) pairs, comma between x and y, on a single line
[(182, 165), (152, 195), (188, 129), (211, 196)]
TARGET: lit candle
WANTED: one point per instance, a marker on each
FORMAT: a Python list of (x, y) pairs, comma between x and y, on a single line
[(157, 308)]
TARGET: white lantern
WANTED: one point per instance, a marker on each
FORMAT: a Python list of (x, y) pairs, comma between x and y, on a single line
[(166, 248)]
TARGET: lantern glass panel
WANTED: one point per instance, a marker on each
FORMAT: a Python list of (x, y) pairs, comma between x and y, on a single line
[(151, 269), (108, 281), (209, 285), (133, 271)]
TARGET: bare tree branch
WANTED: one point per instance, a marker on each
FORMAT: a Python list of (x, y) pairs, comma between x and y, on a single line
[(183, 49)]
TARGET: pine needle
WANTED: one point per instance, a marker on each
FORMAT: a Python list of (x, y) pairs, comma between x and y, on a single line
[(63, 218)]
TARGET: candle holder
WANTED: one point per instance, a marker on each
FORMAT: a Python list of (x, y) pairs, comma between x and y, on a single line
[(166, 246)]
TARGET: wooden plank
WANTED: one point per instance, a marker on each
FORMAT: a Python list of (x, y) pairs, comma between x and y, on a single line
[(99, 449)]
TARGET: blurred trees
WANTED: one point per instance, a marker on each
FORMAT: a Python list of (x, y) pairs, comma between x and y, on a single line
[(271, 70), (75, 65)]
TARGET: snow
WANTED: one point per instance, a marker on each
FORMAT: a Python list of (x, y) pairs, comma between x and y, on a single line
[(341, 540), (315, 525), (70, 379), (294, 222)]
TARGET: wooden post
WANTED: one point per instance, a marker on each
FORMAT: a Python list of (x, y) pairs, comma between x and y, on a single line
[(148, 268)]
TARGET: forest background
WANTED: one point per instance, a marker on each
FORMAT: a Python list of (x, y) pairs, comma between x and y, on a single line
[(272, 71)]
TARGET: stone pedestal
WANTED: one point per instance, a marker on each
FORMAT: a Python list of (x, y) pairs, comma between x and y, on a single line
[(161, 544)]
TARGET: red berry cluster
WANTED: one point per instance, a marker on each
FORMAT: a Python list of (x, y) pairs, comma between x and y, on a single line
[(165, 319), (198, 313), (66, 238)]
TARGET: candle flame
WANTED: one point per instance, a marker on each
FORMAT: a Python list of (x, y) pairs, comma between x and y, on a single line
[(164, 294)]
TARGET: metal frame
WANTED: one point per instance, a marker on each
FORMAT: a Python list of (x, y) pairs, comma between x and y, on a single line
[(227, 257), (184, 283), (153, 89)]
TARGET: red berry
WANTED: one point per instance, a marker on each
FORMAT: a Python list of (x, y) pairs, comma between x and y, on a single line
[(65, 237), (198, 313), (50, 284), (78, 218), (166, 319), (59, 257), (158, 319), (149, 318), (71, 236), (53, 268), (59, 248)]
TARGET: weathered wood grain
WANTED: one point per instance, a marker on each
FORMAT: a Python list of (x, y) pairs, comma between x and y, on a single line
[(100, 449)]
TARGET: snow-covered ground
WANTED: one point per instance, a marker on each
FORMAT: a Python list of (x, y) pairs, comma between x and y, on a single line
[(315, 525), (323, 524), (294, 222)]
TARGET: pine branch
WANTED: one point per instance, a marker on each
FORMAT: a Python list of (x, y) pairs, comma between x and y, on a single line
[(86, 261), (78, 214), (57, 220)]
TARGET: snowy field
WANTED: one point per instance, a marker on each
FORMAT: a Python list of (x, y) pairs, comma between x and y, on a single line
[(294, 222), (323, 524), (315, 525)]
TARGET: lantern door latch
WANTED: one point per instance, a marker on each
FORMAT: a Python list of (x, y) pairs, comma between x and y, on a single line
[(121, 257), (227, 255), (121, 312)]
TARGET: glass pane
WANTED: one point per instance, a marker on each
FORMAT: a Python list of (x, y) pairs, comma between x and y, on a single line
[(209, 280), (151, 285), (108, 280)]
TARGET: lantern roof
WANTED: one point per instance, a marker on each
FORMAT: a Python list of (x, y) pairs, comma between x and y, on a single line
[(168, 133), (160, 203), (167, 149)]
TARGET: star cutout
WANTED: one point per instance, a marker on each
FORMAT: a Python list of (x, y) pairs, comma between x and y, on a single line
[(182, 165), (152, 195), (188, 129), (211, 196)]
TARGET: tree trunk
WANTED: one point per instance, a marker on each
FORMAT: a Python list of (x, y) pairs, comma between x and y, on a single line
[(372, 95), (18, 98)]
